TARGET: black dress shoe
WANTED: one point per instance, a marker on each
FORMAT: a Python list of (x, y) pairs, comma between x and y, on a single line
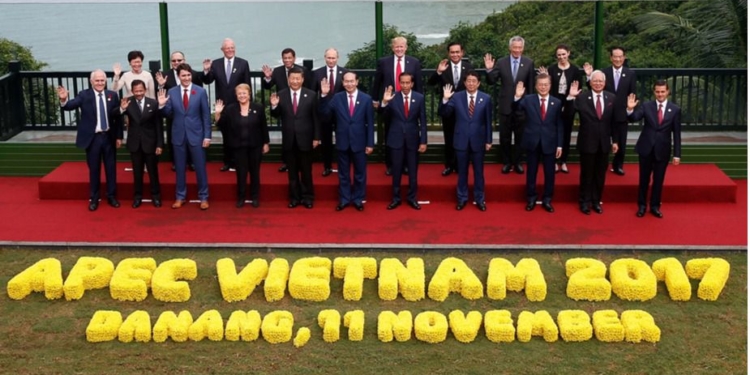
[(548, 207), (224, 168), (507, 168), (597, 208), (359, 206), (460, 206), (93, 205), (292, 204), (482, 206), (388, 171), (136, 203), (585, 209), (393, 205), (415, 205), (240, 203), (113, 202), (308, 205), (283, 168), (327, 172), (530, 206), (447, 171), (174, 168), (641, 211), (656, 212), (406, 170), (191, 167), (156, 202), (618, 171), (255, 203), (341, 206), (518, 168)]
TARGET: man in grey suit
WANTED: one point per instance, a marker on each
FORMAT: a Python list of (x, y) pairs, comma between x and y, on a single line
[(509, 71)]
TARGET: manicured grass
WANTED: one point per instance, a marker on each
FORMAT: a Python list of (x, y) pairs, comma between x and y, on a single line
[(46, 337)]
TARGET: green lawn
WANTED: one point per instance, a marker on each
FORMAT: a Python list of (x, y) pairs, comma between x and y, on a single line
[(48, 337)]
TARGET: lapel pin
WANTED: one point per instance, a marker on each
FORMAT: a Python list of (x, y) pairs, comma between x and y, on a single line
[(234, 70), (357, 102), (305, 95), (669, 109), (623, 74), (254, 111), (551, 103)]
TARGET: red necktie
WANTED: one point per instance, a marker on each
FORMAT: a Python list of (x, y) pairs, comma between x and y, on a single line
[(659, 114), (599, 106), (398, 74), (471, 106), (351, 105), (294, 103), (543, 110), (185, 99), (406, 106), (330, 80)]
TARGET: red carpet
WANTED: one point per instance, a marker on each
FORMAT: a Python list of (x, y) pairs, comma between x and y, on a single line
[(27, 220), (685, 183)]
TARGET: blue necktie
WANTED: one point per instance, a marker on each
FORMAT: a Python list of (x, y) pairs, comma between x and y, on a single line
[(229, 70), (102, 113)]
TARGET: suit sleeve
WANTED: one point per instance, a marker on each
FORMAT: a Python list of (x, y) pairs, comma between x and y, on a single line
[(447, 109), (159, 131), (633, 81), (676, 133), (422, 123), (206, 116), (369, 117), (488, 120), (246, 75), (530, 78), (264, 126), (208, 78), (418, 77), (316, 119), (435, 78), (167, 109), (493, 74)]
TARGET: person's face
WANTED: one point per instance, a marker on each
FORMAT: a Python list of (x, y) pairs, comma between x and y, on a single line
[(516, 49), (455, 53), (332, 58), (543, 86), (176, 59), (136, 65), (399, 48), (288, 60), (472, 84), (186, 77), (99, 81), (295, 81), (617, 57), (139, 91), (597, 82), (661, 93), (243, 96), (406, 84), (350, 82), (562, 56), (228, 49)]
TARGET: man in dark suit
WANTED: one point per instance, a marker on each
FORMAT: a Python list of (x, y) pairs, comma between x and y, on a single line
[(191, 132), (166, 81), (228, 72), (279, 77), (387, 73), (335, 74), (596, 137), (621, 81), (541, 114), (145, 140), (99, 132), (407, 136), (472, 137), (355, 137), (297, 107), (509, 71), (451, 71), (661, 121)]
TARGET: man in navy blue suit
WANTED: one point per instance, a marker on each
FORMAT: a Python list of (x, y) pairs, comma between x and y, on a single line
[(472, 137), (191, 132), (542, 138), (99, 132), (335, 75), (387, 73), (407, 136), (355, 137), (661, 121)]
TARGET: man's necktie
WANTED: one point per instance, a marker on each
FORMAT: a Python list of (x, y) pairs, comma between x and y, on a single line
[(543, 110), (398, 74), (294, 102), (330, 80), (660, 114), (185, 100), (471, 106), (140, 105), (456, 76), (599, 106), (229, 69), (351, 105), (406, 105), (102, 113), (617, 78), (515, 69)]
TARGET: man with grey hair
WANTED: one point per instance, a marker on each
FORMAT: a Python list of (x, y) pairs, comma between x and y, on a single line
[(509, 71), (334, 73)]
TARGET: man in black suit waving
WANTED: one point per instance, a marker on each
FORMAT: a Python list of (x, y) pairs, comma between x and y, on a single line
[(228, 72), (145, 140), (297, 107), (335, 75)]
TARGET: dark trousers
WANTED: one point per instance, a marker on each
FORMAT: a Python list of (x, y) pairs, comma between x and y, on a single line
[(533, 157), (449, 127), (326, 143), (510, 129), (227, 152), (352, 191), (101, 149), (299, 164), (621, 127), (386, 129), (399, 156), (593, 173), (151, 160), (248, 161), (648, 166), (476, 157), (168, 140), (568, 118)]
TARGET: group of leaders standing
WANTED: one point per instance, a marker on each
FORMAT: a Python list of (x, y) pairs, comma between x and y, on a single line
[(313, 105)]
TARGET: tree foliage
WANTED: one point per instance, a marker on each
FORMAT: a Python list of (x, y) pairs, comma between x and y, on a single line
[(12, 51)]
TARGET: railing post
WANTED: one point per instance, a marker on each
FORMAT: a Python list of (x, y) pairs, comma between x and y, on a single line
[(18, 111)]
